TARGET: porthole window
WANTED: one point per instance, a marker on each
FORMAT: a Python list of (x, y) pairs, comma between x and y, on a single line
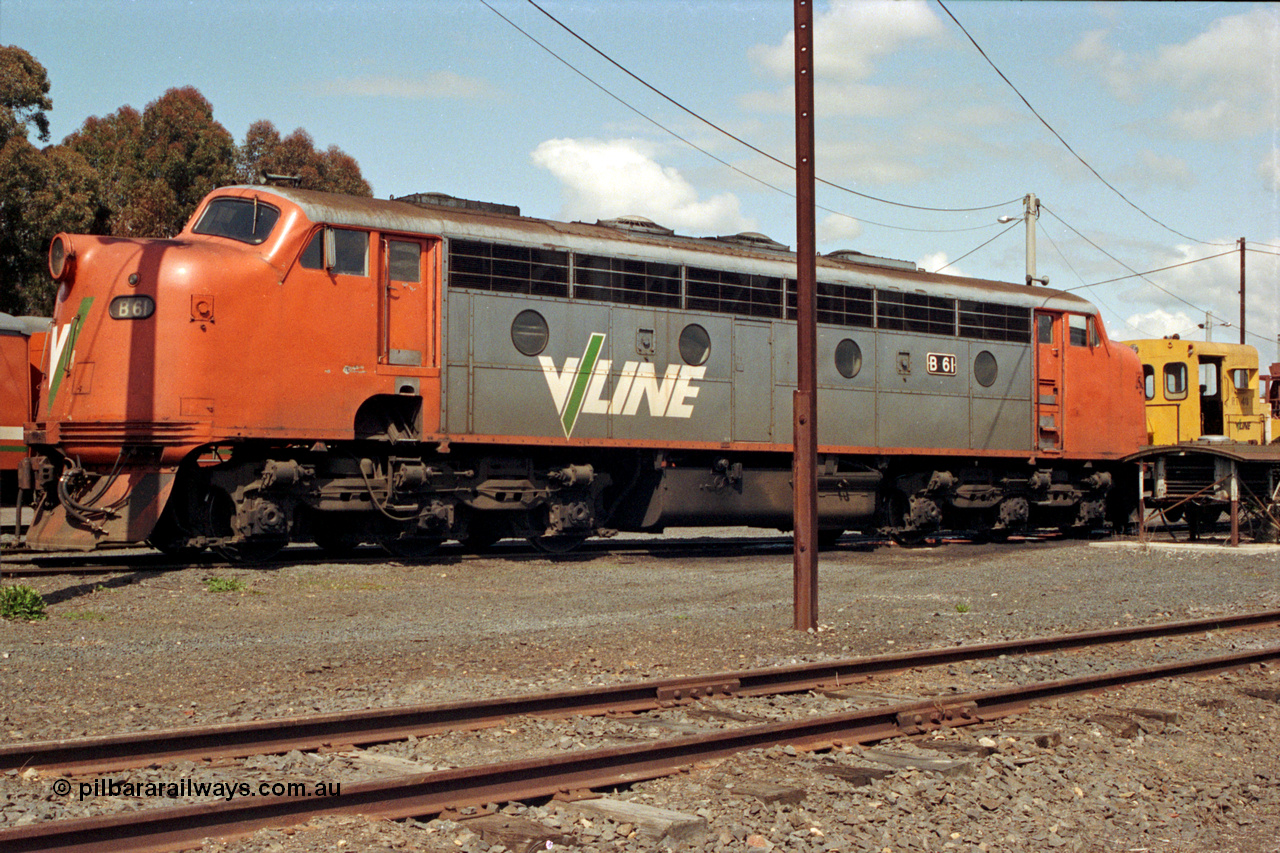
[(529, 332), (985, 369), (695, 345), (848, 358)]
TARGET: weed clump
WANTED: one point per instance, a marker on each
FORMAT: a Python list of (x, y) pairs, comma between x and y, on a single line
[(216, 584), (21, 602)]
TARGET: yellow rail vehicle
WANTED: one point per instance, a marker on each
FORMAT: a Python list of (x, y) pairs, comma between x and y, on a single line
[(1201, 388), (1209, 446)]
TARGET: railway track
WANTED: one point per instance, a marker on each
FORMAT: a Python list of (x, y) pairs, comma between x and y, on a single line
[(432, 793), (360, 728), (19, 562)]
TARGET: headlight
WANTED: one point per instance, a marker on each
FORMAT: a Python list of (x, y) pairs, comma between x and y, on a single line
[(61, 258)]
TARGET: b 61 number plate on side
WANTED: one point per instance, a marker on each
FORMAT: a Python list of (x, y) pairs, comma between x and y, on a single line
[(941, 364)]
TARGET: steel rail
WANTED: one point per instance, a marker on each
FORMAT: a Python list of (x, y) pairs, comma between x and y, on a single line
[(19, 562), (432, 793), (352, 728), (111, 559)]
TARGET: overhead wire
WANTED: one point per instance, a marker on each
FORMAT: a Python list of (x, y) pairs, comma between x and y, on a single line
[(1135, 274), (976, 248), (851, 191), (721, 161), (1142, 332), (742, 141), (702, 150), (1157, 269), (1060, 138)]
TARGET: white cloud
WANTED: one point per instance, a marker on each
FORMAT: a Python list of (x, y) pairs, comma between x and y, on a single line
[(937, 262), (1160, 323), (1095, 51), (1221, 120), (851, 36), (1222, 78), (1230, 56), (838, 231), (1269, 171), (620, 177), (1174, 300)]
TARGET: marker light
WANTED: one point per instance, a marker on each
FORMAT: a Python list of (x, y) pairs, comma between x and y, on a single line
[(61, 258)]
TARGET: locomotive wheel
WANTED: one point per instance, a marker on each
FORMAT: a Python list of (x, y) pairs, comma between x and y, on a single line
[(221, 510), (557, 545), (170, 541), (411, 547), (179, 553)]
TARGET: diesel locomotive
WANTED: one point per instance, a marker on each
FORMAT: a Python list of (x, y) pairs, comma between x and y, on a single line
[(22, 341), (300, 366)]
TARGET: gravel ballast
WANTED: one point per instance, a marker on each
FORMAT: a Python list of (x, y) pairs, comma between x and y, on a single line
[(1177, 765)]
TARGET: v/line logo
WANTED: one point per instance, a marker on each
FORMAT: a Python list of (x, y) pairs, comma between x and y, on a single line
[(62, 347), (579, 388)]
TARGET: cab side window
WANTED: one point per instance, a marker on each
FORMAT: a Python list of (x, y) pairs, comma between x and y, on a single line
[(405, 261), (1078, 328), (313, 256), (1044, 328), (1175, 381), (1149, 381), (348, 252)]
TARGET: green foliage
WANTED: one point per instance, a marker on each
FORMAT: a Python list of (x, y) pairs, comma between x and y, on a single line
[(24, 95), (156, 165), (216, 584), (129, 174), (963, 607), (264, 152), (21, 602), (41, 192)]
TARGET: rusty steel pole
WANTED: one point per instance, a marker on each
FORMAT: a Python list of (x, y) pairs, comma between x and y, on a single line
[(804, 464)]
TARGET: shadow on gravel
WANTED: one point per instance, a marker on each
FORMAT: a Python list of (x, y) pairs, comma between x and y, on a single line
[(89, 587)]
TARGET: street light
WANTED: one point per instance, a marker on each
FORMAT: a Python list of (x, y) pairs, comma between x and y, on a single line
[(1030, 214)]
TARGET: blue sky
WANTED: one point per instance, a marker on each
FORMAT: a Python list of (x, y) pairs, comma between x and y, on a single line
[(1176, 105)]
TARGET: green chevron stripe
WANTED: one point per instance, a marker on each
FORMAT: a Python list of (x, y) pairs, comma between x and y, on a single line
[(579, 393), (77, 323)]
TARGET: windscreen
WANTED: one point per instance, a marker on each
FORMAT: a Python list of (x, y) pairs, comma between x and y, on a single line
[(243, 219)]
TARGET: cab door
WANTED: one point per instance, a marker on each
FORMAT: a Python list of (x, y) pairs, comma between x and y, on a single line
[(408, 340), (1048, 429)]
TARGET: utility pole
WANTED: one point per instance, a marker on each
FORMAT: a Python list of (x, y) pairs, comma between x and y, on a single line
[(1030, 214), (1241, 290), (804, 464)]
